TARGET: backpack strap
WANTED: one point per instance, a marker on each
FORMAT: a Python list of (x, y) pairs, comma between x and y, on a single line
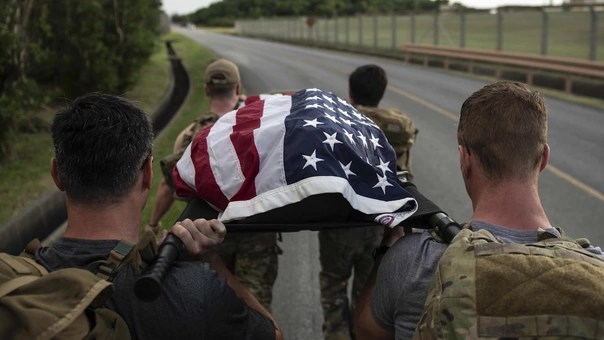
[(124, 252), (119, 255)]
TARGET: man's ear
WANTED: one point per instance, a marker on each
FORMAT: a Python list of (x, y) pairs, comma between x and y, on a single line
[(205, 90), (238, 89), (148, 172), (544, 158), (464, 161), (54, 172)]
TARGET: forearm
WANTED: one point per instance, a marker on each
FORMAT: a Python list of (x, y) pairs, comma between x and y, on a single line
[(242, 292), (365, 325), (164, 197)]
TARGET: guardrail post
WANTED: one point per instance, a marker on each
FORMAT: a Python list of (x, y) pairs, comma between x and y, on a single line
[(593, 41), (499, 29), (545, 32), (462, 28)]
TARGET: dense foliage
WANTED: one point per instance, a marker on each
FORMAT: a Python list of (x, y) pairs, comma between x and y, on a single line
[(63, 48), (223, 13)]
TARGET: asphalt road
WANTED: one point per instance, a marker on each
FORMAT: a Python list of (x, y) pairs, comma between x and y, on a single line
[(572, 187)]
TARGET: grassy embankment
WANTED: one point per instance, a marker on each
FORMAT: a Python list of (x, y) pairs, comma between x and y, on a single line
[(25, 176)]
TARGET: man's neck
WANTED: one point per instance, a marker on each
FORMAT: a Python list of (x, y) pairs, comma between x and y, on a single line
[(105, 222), (222, 106), (513, 205)]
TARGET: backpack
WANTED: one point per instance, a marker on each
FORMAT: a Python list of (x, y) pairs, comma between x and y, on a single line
[(65, 303), (484, 288), (398, 129)]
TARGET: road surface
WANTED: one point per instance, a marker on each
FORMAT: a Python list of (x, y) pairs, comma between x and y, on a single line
[(571, 187)]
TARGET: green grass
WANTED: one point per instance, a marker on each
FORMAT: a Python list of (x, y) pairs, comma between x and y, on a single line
[(25, 175), (195, 59)]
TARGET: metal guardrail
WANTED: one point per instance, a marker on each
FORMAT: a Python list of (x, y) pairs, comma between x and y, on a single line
[(569, 68)]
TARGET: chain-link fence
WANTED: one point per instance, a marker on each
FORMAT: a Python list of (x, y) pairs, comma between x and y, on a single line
[(574, 32)]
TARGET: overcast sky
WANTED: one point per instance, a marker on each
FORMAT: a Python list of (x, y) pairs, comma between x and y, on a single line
[(188, 6)]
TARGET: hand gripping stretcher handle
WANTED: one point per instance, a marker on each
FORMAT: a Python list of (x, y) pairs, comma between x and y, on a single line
[(148, 285)]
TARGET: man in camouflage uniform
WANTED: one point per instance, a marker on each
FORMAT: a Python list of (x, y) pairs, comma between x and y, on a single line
[(252, 257), (502, 143), (346, 250)]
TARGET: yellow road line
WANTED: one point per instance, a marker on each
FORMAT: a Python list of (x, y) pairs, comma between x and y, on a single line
[(563, 175)]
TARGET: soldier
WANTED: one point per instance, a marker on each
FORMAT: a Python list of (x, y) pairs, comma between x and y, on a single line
[(345, 250), (103, 163), (502, 143), (252, 257)]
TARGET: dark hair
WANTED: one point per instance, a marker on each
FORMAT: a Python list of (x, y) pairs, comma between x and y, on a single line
[(505, 124), (221, 91), (101, 142), (367, 85)]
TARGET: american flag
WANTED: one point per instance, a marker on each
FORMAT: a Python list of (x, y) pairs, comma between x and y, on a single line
[(279, 149)]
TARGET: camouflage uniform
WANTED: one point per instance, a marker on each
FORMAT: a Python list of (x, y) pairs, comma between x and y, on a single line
[(342, 251), (251, 257), (481, 286), (398, 129)]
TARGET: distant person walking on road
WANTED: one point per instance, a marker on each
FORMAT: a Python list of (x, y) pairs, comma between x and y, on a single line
[(346, 250), (252, 257)]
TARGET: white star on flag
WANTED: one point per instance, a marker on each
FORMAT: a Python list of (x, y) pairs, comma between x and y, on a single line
[(384, 166), (382, 183), (312, 160), (350, 137), (346, 169), (375, 141), (362, 138), (331, 139), (312, 123)]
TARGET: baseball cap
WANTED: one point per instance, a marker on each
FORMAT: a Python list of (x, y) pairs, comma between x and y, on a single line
[(222, 73)]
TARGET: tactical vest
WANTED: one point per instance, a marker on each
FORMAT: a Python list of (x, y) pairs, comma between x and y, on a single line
[(484, 288), (398, 129)]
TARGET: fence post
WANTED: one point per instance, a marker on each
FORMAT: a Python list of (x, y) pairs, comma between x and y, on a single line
[(545, 32), (375, 31), (435, 27), (462, 28), (412, 28), (347, 26), (360, 30), (499, 29), (336, 31), (593, 41), (393, 24)]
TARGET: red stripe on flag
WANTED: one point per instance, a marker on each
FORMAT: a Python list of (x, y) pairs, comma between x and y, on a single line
[(205, 182), (204, 176), (242, 137)]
